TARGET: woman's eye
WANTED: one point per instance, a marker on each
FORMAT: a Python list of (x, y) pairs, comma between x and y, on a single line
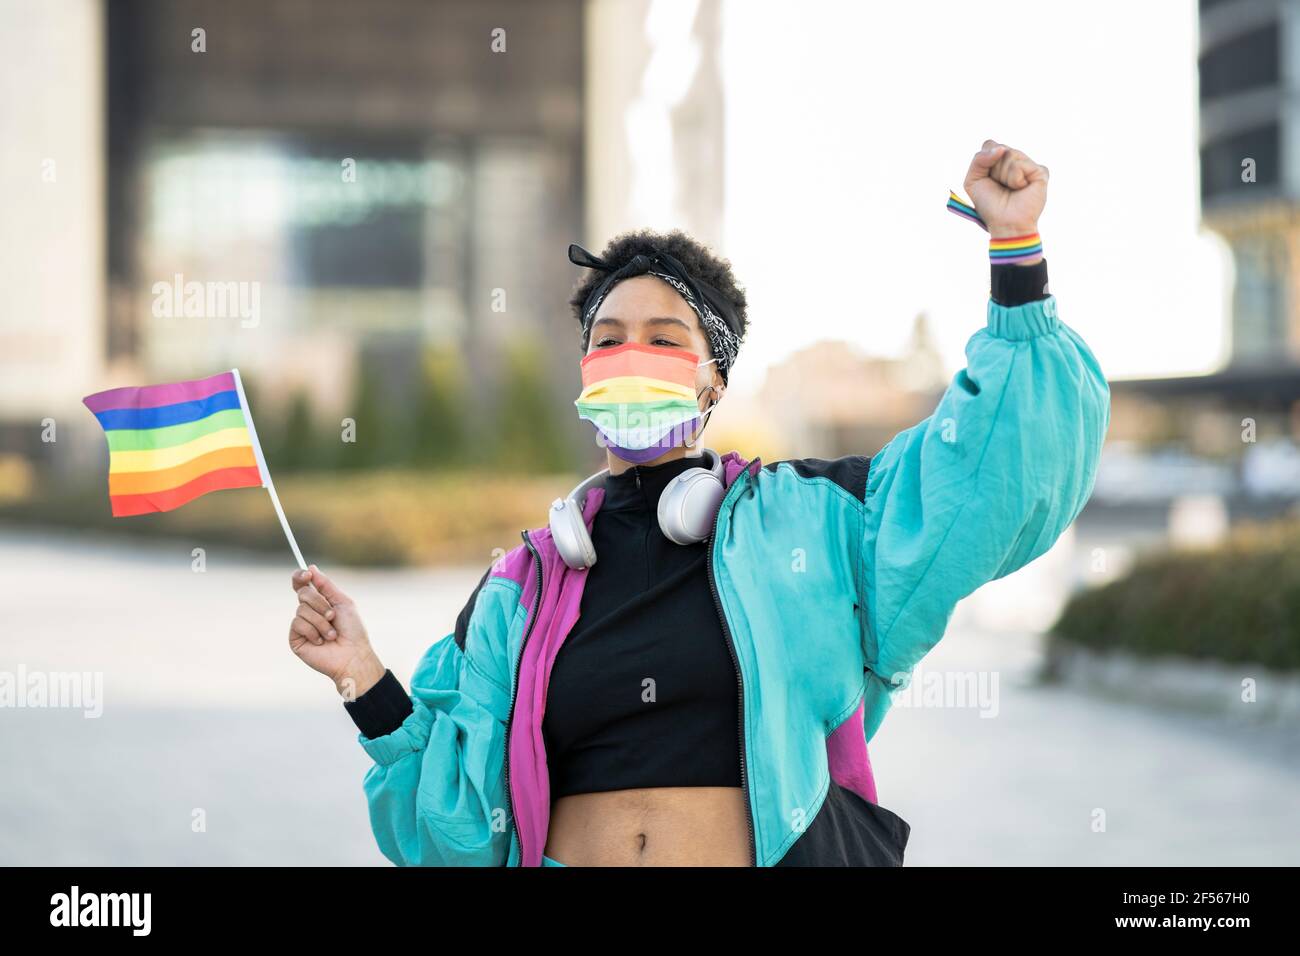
[(604, 343)]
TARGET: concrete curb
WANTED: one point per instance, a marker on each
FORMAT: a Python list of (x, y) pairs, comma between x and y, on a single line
[(1178, 682)]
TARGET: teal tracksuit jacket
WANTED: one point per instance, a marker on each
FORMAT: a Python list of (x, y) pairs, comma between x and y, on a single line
[(832, 579)]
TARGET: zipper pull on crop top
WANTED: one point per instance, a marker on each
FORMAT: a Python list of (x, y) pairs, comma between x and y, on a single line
[(643, 693)]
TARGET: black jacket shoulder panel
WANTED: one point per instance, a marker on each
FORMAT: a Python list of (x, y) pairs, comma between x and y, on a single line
[(462, 619), (849, 471)]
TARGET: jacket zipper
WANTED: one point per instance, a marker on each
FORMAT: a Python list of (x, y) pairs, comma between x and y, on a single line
[(740, 684), (532, 620)]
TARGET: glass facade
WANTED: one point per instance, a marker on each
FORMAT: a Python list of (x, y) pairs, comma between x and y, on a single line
[(397, 181), (1260, 301)]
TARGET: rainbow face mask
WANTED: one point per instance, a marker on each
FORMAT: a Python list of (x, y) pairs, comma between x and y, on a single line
[(641, 398)]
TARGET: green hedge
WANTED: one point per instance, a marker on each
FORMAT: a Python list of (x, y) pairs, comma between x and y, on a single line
[(386, 518), (1238, 602)]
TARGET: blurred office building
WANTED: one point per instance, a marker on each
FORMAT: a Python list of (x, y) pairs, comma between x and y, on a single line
[(830, 399), (313, 192), (1247, 414), (391, 175)]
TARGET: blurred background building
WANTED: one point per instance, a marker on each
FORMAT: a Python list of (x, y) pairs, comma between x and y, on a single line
[(392, 191), (390, 187), (830, 399), (373, 202), (1234, 433)]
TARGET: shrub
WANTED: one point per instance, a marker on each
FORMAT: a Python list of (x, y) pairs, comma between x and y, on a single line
[(1239, 602)]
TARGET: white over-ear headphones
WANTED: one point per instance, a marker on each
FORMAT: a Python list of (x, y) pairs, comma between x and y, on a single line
[(687, 508)]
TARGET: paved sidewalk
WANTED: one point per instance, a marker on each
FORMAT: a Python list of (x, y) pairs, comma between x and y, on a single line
[(206, 708)]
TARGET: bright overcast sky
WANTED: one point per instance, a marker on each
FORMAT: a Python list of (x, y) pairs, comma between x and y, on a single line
[(848, 122)]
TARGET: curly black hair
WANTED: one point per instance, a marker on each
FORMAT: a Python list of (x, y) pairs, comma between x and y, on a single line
[(699, 260)]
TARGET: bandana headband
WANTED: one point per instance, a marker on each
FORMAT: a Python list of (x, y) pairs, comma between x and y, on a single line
[(717, 314)]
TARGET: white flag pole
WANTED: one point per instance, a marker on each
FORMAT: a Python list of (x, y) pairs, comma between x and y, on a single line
[(267, 483)]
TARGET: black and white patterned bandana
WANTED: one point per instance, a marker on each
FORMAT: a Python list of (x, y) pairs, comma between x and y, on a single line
[(718, 315)]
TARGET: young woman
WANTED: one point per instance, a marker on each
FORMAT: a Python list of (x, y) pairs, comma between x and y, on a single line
[(685, 665)]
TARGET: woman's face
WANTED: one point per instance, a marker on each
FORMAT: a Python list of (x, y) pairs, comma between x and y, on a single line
[(646, 310)]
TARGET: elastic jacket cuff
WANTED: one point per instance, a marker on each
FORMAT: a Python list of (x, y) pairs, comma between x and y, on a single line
[(382, 709), (1020, 322), (1015, 285)]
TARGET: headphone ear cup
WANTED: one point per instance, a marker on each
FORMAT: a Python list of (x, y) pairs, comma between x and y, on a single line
[(569, 532), (569, 528), (689, 504)]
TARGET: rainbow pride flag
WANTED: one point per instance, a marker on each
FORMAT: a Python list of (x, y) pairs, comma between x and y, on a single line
[(169, 444)]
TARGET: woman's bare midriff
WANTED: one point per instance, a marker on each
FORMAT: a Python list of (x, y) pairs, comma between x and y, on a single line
[(659, 826)]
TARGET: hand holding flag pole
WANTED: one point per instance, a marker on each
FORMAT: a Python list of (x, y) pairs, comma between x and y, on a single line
[(169, 444)]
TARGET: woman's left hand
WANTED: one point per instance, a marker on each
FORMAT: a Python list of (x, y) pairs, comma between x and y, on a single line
[(327, 635), (1008, 190)]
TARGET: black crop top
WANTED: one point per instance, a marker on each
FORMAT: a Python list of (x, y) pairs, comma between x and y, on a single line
[(643, 692)]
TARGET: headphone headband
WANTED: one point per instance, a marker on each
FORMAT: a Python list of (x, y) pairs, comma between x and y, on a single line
[(569, 528)]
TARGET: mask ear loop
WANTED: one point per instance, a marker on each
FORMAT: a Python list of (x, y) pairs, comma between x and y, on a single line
[(708, 412)]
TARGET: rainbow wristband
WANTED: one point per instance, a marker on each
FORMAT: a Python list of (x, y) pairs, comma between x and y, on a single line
[(1006, 251), (1015, 249)]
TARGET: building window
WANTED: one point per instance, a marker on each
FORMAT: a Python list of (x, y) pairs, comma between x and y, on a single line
[(1259, 302)]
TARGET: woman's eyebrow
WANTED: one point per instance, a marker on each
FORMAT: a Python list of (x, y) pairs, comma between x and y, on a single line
[(655, 320)]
